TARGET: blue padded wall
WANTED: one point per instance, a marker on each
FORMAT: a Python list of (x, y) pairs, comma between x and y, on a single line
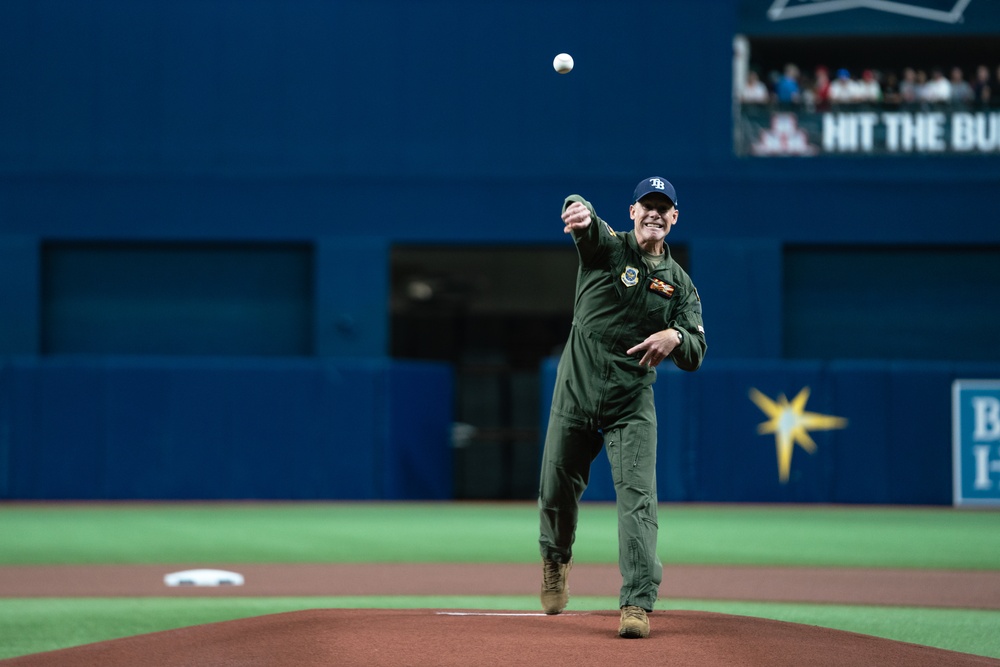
[(154, 428), (896, 446)]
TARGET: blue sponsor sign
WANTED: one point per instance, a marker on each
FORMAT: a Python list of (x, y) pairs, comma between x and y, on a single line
[(976, 442), (859, 129)]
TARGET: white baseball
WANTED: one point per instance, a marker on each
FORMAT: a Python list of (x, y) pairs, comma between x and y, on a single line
[(563, 63)]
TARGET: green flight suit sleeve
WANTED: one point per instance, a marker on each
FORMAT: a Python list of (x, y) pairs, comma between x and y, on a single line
[(688, 355), (594, 243)]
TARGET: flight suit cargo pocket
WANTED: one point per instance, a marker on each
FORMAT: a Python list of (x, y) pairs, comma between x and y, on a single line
[(658, 313), (628, 453)]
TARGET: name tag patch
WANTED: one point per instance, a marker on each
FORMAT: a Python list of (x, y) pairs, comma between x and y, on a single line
[(661, 288)]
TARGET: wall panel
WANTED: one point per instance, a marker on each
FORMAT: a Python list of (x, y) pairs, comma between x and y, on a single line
[(184, 428)]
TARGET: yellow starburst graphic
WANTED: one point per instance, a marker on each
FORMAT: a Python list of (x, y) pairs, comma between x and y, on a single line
[(790, 424)]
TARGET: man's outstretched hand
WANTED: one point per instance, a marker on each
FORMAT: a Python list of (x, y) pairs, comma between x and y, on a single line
[(576, 216)]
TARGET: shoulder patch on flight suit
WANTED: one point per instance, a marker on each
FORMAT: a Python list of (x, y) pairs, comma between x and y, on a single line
[(630, 276), (610, 231), (661, 288)]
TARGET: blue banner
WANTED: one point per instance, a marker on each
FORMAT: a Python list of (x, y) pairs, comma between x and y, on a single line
[(763, 132)]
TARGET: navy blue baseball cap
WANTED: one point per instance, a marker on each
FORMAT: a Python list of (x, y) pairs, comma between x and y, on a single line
[(654, 184)]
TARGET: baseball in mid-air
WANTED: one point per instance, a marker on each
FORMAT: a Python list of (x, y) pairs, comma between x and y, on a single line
[(563, 63)]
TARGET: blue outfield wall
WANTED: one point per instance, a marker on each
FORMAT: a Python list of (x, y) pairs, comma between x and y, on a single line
[(120, 428), (148, 428), (894, 446)]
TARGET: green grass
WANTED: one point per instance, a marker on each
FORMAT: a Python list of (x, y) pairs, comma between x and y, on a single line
[(942, 538), (34, 625), (210, 534)]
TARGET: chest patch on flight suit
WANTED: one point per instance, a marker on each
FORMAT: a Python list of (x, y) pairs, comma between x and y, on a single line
[(661, 288), (630, 276)]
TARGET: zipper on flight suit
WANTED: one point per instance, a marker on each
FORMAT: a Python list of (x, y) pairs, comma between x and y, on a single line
[(637, 296)]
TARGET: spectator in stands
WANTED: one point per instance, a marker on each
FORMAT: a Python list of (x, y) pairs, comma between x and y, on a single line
[(821, 89), (981, 87), (843, 89), (754, 91), (921, 85), (787, 89), (891, 97), (961, 92), (868, 88), (937, 91), (909, 89)]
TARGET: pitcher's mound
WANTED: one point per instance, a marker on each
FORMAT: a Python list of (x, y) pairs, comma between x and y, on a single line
[(430, 637)]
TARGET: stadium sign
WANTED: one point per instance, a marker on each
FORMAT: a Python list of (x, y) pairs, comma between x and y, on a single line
[(976, 442), (764, 133), (945, 11), (877, 18)]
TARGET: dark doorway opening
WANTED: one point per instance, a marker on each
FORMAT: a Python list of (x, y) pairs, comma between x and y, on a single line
[(494, 313)]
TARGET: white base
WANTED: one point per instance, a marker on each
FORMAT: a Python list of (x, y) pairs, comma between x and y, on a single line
[(203, 578)]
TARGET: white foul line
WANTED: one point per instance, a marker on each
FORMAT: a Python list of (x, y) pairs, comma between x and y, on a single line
[(495, 613)]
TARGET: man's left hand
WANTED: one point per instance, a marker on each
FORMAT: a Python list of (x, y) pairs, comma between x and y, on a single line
[(656, 348)]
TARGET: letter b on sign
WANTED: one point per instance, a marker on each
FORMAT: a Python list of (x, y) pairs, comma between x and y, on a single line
[(986, 410)]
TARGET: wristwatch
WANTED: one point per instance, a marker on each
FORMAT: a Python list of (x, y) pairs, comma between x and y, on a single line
[(680, 337)]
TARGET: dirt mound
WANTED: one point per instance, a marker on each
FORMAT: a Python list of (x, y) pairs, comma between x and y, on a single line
[(373, 637)]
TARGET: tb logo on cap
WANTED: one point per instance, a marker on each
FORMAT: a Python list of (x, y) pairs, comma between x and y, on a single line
[(656, 184)]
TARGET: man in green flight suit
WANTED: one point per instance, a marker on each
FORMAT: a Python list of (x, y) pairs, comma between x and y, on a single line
[(634, 308)]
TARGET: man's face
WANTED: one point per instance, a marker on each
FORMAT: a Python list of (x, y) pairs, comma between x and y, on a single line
[(654, 215)]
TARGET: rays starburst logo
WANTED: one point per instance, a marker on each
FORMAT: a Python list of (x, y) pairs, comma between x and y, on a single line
[(790, 423)]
